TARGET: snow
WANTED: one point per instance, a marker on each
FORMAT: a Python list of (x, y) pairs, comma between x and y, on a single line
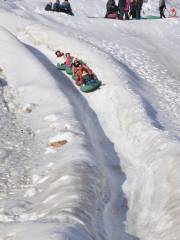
[(117, 176)]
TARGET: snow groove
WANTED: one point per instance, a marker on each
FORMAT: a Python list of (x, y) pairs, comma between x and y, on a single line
[(113, 213)]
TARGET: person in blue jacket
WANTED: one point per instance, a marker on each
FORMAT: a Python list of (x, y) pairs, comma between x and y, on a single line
[(66, 7), (57, 6), (139, 4)]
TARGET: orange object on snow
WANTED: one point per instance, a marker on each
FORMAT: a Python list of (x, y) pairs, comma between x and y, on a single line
[(81, 72)]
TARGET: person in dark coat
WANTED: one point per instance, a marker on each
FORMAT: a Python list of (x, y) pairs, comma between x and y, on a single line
[(111, 7), (162, 7), (139, 4), (132, 12), (66, 7), (121, 6), (48, 6)]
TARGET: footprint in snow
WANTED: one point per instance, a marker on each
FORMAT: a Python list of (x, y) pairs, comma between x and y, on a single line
[(51, 118), (29, 107)]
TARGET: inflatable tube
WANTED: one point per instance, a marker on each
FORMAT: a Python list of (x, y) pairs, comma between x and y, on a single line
[(61, 67), (68, 71), (112, 16), (90, 87), (152, 17)]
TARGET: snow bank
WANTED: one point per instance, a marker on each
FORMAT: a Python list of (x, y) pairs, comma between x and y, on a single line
[(65, 185)]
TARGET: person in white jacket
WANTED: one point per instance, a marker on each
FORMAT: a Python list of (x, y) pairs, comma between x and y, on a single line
[(162, 7)]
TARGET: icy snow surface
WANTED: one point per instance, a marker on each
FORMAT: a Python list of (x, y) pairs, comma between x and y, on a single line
[(116, 175)]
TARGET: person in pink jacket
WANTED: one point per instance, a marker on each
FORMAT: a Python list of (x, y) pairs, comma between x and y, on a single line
[(69, 59), (126, 9)]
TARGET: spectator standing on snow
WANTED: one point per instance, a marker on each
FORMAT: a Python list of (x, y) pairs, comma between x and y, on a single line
[(139, 4), (126, 9), (162, 7), (132, 12), (66, 7), (57, 6), (121, 6), (111, 7)]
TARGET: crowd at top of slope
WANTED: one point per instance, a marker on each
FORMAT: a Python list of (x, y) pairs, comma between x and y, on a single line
[(93, 8), (124, 9), (57, 6)]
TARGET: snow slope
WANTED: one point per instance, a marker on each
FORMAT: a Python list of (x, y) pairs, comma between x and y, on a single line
[(118, 175)]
